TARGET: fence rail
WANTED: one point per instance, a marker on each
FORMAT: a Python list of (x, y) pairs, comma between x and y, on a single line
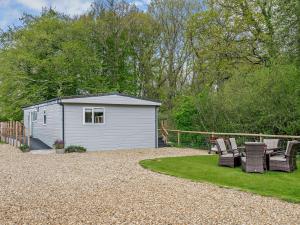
[(214, 134), (13, 133)]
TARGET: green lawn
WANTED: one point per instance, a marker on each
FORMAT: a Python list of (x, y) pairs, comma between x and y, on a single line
[(282, 185)]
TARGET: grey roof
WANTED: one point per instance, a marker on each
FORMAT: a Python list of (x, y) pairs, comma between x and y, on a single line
[(103, 98)]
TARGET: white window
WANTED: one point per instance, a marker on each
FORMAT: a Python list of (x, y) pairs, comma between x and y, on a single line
[(93, 115), (44, 117), (88, 115), (34, 116)]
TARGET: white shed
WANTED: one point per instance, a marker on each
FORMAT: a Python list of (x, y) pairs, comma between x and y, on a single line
[(96, 122)]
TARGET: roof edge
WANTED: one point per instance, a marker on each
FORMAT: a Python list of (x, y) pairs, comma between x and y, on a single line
[(59, 99)]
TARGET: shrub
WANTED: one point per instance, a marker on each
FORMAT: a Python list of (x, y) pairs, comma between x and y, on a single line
[(24, 148), (75, 148), (59, 144), (261, 101)]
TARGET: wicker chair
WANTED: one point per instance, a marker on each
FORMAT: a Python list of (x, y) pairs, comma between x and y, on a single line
[(232, 159), (233, 145), (286, 161), (255, 160), (271, 143)]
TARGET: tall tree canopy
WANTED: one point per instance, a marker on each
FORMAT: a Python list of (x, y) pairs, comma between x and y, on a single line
[(215, 65)]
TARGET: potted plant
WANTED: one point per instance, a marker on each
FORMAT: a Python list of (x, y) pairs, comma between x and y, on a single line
[(59, 146)]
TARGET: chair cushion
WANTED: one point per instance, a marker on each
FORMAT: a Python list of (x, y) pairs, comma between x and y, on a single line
[(230, 155), (271, 143), (278, 158)]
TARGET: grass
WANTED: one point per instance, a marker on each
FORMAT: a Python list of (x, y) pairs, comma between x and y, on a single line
[(285, 186)]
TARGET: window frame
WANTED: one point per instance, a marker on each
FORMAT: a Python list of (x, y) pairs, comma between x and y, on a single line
[(93, 122), (44, 114), (32, 116)]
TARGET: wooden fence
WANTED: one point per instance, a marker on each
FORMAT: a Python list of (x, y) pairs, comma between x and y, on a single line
[(165, 133), (13, 133)]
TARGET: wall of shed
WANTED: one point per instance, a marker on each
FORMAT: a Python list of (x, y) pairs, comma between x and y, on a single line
[(52, 130), (125, 127)]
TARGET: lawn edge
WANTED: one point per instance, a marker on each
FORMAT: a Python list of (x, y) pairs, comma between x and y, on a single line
[(215, 184)]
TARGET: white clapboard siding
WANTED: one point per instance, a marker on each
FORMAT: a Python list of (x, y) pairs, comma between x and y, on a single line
[(113, 99), (125, 127), (52, 130)]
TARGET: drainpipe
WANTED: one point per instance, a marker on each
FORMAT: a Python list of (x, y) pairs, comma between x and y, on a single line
[(63, 120), (156, 126)]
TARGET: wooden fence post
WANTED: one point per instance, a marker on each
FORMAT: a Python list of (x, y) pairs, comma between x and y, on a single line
[(0, 131), (24, 134), (6, 132), (260, 138), (14, 133), (17, 134), (3, 131), (9, 132), (1, 137), (178, 138)]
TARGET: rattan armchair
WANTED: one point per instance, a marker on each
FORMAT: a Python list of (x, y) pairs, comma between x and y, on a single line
[(234, 147), (255, 160), (286, 161), (232, 159), (272, 143)]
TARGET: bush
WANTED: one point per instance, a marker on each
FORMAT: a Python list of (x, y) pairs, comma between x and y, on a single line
[(75, 148), (263, 101), (24, 148)]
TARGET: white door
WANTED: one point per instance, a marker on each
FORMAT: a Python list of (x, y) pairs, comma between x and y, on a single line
[(30, 124)]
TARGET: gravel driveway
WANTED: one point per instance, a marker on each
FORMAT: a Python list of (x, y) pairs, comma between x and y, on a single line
[(111, 188)]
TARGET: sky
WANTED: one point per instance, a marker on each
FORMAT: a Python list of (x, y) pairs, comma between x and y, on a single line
[(12, 10)]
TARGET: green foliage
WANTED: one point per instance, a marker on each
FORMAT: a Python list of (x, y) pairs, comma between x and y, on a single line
[(75, 148), (266, 101), (205, 169), (215, 65), (54, 56), (24, 148)]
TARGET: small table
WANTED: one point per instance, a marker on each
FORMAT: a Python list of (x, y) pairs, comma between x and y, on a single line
[(268, 152)]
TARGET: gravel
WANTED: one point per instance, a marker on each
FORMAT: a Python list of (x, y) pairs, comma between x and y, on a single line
[(111, 188)]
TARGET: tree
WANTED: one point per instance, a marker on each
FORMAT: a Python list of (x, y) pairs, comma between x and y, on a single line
[(174, 58), (231, 36)]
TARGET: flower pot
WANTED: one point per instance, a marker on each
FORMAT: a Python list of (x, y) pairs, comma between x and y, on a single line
[(60, 151)]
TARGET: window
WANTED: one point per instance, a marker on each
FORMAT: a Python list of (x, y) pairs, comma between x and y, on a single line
[(88, 115), (34, 116), (98, 115), (44, 117), (93, 115)]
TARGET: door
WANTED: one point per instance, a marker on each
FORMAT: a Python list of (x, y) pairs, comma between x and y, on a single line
[(29, 124)]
